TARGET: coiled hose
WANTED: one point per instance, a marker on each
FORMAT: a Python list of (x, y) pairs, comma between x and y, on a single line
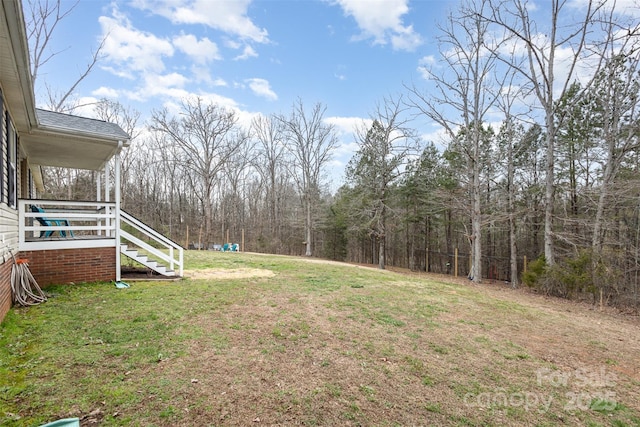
[(24, 288)]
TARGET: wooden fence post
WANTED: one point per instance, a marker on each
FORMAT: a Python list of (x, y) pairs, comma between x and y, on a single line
[(455, 263)]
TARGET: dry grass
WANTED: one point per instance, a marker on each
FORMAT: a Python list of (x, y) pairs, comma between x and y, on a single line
[(328, 344)]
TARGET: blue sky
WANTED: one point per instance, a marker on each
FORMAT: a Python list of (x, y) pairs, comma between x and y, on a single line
[(254, 56)]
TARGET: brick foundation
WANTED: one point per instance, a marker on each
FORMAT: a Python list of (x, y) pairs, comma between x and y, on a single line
[(72, 265), (5, 288)]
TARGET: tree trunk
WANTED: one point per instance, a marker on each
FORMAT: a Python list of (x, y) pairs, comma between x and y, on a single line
[(598, 235), (308, 226), (476, 229), (382, 237), (476, 203), (381, 253), (511, 195), (549, 195)]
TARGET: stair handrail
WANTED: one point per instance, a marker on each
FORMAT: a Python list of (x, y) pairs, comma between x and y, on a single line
[(147, 247), (156, 236)]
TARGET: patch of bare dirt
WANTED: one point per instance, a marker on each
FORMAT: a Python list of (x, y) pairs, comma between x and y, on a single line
[(222, 273)]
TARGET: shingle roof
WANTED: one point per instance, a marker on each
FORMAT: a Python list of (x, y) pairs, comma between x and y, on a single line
[(83, 125)]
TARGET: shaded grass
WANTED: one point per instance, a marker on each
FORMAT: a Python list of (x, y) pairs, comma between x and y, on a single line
[(317, 344)]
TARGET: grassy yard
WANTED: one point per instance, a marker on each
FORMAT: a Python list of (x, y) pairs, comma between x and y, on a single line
[(266, 340)]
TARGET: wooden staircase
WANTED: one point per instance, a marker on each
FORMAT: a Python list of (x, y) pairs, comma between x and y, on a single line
[(148, 247), (143, 259)]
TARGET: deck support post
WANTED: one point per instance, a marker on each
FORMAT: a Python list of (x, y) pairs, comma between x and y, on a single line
[(117, 208)]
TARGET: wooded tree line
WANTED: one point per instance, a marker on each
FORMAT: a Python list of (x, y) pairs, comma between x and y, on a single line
[(538, 157)]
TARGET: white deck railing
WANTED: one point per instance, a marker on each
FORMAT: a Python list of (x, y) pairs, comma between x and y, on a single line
[(91, 225)]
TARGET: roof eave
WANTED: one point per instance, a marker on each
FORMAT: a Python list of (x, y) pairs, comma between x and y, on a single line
[(20, 50), (82, 135)]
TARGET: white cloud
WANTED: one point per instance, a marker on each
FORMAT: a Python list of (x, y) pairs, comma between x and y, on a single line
[(174, 105), (382, 21), (105, 92), (232, 44), (163, 85), (438, 135), (532, 6), (214, 98), (405, 39), (227, 16), (247, 52), (424, 66), (261, 87), (245, 118), (202, 74), (139, 55), (132, 49), (219, 82), (202, 51), (346, 150), (86, 106), (630, 8), (339, 73), (171, 80), (346, 129), (346, 126)]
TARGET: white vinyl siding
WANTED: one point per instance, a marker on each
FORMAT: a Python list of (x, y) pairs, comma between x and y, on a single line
[(8, 214)]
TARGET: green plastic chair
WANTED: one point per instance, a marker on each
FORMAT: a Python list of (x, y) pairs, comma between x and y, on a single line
[(66, 422), (47, 222)]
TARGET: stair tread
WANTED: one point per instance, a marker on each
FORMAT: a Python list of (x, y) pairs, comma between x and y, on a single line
[(157, 266)]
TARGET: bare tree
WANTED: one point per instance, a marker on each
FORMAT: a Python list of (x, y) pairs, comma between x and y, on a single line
[(127, 118), (114, 112), (542, 49), (467, 86), (207, 136), (616, 99), (510, 133), (237, 169), (310, 141), (43, 19), (270, 135)]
